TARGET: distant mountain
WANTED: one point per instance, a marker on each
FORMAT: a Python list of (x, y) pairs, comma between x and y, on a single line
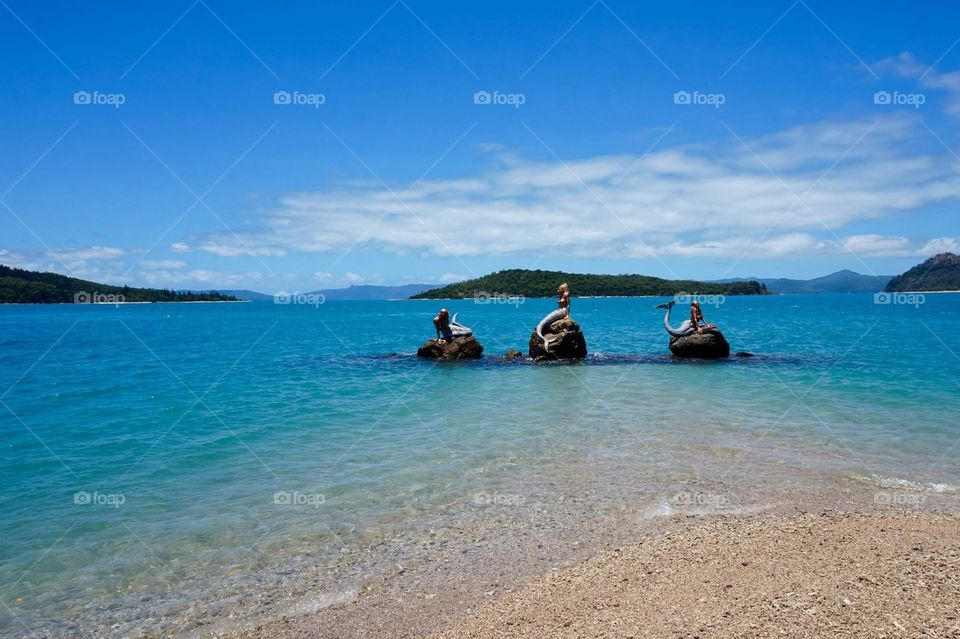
[(939, 273), (369, 292), (18, 286), (528, 283), (840, 282), (356, 292)]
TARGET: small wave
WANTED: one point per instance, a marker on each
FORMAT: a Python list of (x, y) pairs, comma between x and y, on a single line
[(906, 484), (313, 603), (662, 509), (668, 508)]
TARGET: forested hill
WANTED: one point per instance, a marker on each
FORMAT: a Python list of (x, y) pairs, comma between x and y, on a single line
[(527, 283), (939, 273), (18, 286)]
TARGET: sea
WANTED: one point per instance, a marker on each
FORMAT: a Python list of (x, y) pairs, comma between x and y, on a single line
[(193, 469)]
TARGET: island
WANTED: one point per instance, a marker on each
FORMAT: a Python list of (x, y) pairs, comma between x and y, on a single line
[(18, 286), (939, 273), (537, 283)]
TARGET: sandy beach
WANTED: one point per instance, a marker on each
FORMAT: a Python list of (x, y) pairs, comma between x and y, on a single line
[(884, 574)]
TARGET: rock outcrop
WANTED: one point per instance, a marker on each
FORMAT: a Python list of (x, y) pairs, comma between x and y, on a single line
[(566, 342), (710, 344), (466, 347)]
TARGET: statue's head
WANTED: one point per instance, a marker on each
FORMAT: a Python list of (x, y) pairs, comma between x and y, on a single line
[(695, 304), (563, 288), (444, 312)]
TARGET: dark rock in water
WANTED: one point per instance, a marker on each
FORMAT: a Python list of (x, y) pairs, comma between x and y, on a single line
[(710, 344), (744, 354), (453, 349), (512, 353), (566, 342)]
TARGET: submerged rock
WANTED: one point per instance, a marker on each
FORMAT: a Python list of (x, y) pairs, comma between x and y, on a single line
[(466, 347), (711, 344), (566, 342), (513, 353)]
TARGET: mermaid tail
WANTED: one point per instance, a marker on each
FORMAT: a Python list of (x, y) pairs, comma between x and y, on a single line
[(459, 330), (560, 313)]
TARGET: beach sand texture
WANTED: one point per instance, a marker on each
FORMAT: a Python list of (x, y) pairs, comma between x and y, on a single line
[(832, 575)]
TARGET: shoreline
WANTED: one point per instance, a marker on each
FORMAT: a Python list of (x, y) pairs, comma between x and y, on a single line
[(887, 575), (583, 593), (437, 566)]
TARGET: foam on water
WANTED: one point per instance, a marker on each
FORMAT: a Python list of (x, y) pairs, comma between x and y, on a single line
[(906, 484)]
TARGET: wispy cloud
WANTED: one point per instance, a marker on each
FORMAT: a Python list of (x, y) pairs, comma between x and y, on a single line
[(720, 199), (804, 244), (86, 262), (906, 66), (228, 249), (162, 264), (199, 278)]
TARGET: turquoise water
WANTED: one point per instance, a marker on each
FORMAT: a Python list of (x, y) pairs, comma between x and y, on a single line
[(164, 463)]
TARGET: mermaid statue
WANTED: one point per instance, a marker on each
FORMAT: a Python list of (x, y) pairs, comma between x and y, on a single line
[(448, 328), (694, 337), (695, 324), (563, 310)]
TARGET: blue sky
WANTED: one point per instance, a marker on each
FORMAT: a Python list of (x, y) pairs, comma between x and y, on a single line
[(425, 142)]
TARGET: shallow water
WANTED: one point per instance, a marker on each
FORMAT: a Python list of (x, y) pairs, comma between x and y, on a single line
[(171, 465)]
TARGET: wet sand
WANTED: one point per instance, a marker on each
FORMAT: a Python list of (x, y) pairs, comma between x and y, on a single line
[(878, 574)]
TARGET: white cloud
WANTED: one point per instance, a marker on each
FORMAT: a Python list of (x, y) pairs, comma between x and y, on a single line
[(898, 246), (163, 264), (240, 248), (804, 244), (449, 278), (17, 259), (197, 279), (905, 65), (104, 264), (717, 199), (236, 246), (90, 262), (89, 254)]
